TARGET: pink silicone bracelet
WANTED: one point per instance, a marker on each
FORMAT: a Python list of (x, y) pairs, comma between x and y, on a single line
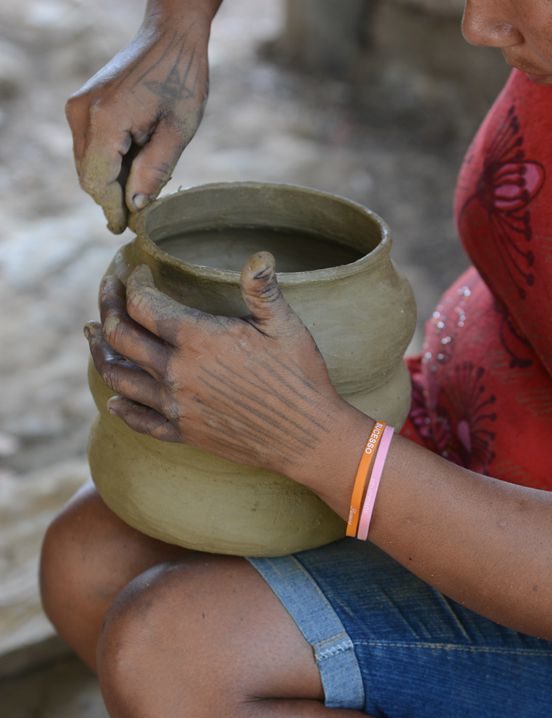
[(373, 486)]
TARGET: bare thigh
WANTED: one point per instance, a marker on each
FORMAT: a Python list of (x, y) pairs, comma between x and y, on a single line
[(88, 556)]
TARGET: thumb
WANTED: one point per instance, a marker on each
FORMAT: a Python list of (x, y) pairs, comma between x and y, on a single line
[(153, 166), (262, 296)]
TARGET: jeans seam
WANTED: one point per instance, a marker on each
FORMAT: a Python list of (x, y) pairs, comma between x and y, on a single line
[(454, 647), (336, 649)]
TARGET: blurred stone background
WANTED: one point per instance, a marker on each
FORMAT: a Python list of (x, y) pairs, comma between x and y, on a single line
[(371, 99)]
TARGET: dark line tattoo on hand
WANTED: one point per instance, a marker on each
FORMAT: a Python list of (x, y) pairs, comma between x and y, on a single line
[(176, 85), (287, 401), (296, 427), (236, 400)]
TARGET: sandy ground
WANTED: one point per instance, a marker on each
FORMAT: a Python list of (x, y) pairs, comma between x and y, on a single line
[(262, 122), (62, 689)]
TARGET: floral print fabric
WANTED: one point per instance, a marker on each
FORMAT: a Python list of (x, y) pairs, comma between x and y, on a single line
[(482, 387)]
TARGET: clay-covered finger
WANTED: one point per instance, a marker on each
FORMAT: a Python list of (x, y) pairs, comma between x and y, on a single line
[(260, 291), (120, 374), (143, 419), (125, 335), (169, 320), (100, 171)]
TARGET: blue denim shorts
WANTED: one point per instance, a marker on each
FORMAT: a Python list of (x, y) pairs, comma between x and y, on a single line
[(390, 645)]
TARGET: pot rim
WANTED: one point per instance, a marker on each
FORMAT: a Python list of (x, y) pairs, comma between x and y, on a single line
[(138, 223)]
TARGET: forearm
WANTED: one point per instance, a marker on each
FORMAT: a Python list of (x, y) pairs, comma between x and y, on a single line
[(485, 543)]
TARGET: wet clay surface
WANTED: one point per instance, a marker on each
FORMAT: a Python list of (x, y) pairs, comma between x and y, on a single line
[(229, 249)]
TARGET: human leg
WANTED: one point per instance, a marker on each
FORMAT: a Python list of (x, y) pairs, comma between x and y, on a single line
[(208, 634), (204, 637), (88, 556)]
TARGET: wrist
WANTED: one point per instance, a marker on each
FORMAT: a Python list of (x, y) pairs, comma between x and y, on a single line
[(331, 470), (182, 10)]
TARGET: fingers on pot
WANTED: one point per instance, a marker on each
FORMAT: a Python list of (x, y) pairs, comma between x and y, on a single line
[(262, 295), (143, 419), (158, 313), (100, 170), (120, 374), (125, 335)]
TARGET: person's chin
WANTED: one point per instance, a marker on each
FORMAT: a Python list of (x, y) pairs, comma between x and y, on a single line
[(540, 78), (530, 71)]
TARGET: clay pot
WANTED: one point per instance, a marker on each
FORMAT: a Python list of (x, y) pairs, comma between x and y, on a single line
[(336, 272)]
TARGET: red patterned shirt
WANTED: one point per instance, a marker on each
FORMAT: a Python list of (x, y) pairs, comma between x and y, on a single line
[(482, 387)]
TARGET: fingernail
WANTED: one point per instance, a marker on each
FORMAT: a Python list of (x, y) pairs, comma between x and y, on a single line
[(112, 406), (140, 201), (89, 331)]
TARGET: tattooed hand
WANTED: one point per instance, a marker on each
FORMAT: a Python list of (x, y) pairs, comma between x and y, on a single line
[(253, 390), (131, 121)]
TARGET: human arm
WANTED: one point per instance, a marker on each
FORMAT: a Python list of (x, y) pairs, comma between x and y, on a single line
[(256, 391), (133, 118)]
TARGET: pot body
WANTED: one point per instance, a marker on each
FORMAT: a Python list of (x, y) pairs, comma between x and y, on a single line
[(361, 314)]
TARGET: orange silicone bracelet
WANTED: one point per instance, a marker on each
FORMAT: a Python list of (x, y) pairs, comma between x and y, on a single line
[(361, 477)]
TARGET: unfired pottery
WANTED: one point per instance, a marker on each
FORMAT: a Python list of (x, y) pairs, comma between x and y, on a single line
[(361, 314)]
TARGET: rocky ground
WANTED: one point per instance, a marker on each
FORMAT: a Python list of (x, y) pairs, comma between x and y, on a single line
[(263, 122)]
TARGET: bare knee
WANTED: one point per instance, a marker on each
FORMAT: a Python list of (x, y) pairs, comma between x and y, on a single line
[(152, 653), (192, 639)]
